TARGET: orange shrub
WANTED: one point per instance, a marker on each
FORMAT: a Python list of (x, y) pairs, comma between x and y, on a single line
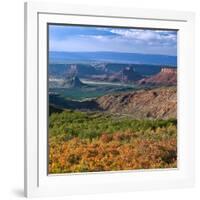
[(120, 151)]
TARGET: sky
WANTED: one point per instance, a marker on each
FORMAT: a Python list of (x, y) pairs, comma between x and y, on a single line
[(91, 39)]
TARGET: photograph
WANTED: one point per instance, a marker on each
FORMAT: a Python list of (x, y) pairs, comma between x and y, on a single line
[(112, 98)]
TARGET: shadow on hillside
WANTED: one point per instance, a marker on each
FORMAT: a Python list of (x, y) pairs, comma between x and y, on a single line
[(60, 103)]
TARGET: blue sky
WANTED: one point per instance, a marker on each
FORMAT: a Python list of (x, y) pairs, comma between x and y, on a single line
[(90, 39)]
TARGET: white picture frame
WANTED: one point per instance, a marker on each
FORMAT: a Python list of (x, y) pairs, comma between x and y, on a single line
[(37, 180)]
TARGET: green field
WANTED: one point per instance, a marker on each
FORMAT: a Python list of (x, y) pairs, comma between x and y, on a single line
[(90, 91)]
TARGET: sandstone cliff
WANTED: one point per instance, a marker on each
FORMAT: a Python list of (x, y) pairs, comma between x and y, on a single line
[(166, 77)]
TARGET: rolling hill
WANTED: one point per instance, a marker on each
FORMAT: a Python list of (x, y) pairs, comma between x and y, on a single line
[(142, 104)]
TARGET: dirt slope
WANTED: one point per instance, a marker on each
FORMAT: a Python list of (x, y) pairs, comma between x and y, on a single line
[(155, 103)]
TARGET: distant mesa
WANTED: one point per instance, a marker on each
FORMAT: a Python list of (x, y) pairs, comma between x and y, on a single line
[(71, 78), (166, 77), (72, 71), (129, 74), (126, 75), (73, 82)]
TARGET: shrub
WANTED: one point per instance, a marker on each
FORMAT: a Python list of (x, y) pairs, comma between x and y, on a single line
[(83, 142)]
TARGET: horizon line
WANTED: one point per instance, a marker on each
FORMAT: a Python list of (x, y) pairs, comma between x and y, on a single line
[(114, 52)]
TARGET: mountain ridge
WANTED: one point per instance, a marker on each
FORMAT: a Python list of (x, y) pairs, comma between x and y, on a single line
[(110, 57)]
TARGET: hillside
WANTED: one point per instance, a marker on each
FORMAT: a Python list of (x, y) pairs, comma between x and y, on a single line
[(166, 77), (142, 104), (139, 104)]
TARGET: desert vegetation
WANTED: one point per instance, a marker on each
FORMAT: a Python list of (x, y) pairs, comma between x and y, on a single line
[(94, 141)]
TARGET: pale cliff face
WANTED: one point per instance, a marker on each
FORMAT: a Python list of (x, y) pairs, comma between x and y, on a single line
[(168, 70)]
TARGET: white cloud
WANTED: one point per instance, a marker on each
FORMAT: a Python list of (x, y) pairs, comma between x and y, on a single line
[(97, 37), (145, 35), (123, 40)]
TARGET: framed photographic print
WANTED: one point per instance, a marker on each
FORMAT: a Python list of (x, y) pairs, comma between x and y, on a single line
[(108, 99)]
